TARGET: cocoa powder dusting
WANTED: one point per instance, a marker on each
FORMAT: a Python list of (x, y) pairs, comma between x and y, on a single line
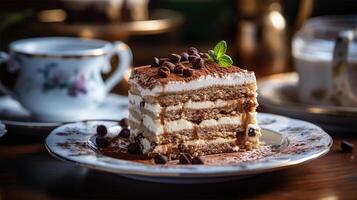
[(117, 149), (148, 76)]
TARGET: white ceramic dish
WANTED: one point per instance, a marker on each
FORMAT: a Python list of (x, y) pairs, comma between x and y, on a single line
[(294, 142)]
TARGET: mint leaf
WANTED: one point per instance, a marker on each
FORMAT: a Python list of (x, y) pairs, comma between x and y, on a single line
[(212, 55), (218, 55), (220, 49), (225, 61)]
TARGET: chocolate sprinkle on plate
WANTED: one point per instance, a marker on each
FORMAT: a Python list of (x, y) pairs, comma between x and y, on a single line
[(346, 147), (134, 148), (160, 159), (101, 142), (185, 159), (102, 130), (124, 133), (197, 161), (124, 122)]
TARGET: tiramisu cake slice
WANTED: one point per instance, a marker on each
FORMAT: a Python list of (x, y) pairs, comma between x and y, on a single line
[(195, 103)]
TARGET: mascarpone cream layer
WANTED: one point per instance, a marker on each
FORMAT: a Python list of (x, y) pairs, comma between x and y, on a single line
[(134, 99), (157, 128), (201, 82)]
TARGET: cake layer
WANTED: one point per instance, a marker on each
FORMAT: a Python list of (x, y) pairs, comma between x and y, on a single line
[(190, 107), (200, 147), (197, 147), (149, 83), (207, 133), (161, 126), (198, 115), (213, 93)]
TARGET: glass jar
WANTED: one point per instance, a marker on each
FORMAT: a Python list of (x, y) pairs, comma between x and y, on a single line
[(312, 50)]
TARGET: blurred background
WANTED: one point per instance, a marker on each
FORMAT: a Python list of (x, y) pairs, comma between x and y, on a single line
[(258, 32)]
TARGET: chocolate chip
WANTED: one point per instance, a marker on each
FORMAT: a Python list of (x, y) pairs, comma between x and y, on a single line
[(251, 132), (139, 137), (153, 144), (162, 60), (101, 142), (204, 55), (142, 104), (185, 159), (169, 65), (124, 133), (197, 161), (192, 50), (192, 58), (346, 147), (197, 55), (198, 63), (187, 72), (184, 56), (156, 62), (124, 122), (102, 130), (174, 58), (134, 148), (160, 159), (179, 68), (164, 72)]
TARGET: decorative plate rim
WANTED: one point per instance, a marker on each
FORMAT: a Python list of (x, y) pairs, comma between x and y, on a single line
[(104, 163)]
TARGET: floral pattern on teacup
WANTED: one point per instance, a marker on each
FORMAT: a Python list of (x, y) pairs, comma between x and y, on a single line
[(57, 79)]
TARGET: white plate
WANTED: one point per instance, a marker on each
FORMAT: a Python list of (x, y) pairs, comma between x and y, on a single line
[(295, 142), (278, 94), (18, 120)]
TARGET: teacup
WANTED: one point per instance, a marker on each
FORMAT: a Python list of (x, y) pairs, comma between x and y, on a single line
[(325, 57), (59, 78)]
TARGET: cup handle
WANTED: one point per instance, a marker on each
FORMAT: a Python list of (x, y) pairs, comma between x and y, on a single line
[(341, 88), (125, 59), (5, 58)]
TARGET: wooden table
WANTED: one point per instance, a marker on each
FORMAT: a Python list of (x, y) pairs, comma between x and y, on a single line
[(27, 171)]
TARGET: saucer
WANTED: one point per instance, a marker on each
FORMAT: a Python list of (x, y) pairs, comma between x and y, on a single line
[(2, 129), (18, 120), (278, 94), (289, 142)]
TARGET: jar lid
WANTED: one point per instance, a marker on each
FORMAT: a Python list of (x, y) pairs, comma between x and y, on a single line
[(317, 37), (328, 27)]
